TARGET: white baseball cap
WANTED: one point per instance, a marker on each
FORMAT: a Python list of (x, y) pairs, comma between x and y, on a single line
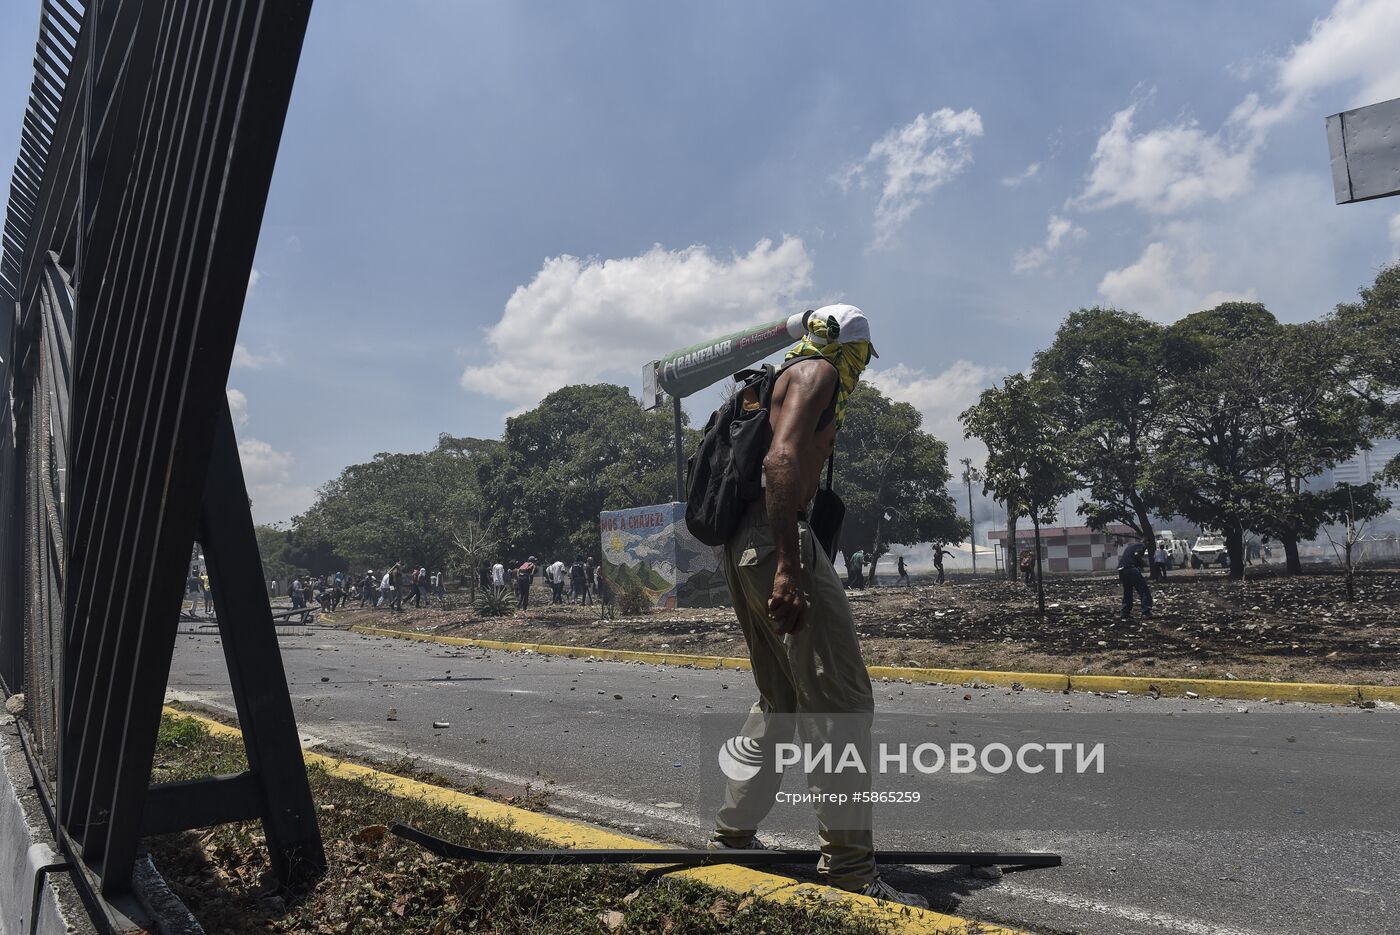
[(851, 323)]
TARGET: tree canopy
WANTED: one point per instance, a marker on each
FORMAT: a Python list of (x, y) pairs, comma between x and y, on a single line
[(1225, 417), (1109, 398), (892, 476), (582, 450)]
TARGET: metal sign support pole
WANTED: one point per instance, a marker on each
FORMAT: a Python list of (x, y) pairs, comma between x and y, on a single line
[(680, 452)]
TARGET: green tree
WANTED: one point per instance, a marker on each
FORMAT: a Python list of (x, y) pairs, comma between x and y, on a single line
[(1026, 462), (1111, 393), (893, 478), (1213, 465), (1309, 419), (276, 549), (582, 450), (1351, 507), (1368, 336), (397, 507)]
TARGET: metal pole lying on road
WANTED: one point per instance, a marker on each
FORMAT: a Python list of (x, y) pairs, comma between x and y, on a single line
[(695, 858)]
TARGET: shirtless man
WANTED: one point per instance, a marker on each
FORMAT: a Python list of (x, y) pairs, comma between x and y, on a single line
[(793, 610)]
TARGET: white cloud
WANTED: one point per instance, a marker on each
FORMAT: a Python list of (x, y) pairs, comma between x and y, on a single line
[(1209, 243), (238, 407), (246, 359), (940, 397), (266, 470), (580, 318), (1245, 249), (1395, 236), (1058, 232), (1178, 166), (1354, 44), (1167, 169), (1172, 278), (1020, 178), (915, 159), (253, 277)]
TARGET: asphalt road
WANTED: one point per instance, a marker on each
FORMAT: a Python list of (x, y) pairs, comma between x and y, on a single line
[(1268, 818)]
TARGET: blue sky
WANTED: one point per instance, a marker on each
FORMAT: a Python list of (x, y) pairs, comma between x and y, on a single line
[(478, 202)]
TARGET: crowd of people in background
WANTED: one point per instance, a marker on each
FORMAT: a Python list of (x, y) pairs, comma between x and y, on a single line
[(331, 592), (579, 582)]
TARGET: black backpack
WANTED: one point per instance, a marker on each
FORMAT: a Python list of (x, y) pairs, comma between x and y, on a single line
[(725, 474)]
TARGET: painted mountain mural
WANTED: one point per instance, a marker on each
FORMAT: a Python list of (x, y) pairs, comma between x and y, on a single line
[(649, 547)]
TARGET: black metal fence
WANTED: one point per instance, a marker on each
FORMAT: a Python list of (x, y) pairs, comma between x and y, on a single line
[(138, 192)]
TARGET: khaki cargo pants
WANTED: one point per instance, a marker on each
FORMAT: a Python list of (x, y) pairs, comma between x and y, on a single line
[(814, 679)]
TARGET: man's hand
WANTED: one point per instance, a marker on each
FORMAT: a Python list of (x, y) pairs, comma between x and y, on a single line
[(786, 606)]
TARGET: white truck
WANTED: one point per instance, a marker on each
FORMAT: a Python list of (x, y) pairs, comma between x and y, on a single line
[(1178, 550), (1209, 551)]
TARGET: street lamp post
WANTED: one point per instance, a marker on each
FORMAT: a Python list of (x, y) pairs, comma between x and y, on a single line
[(881, 510), (969, 475)]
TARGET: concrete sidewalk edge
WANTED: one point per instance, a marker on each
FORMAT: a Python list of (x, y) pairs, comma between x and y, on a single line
[(565, 833), (1242, 689)]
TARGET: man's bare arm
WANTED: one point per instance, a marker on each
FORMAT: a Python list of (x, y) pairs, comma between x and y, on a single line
[(802, 398)]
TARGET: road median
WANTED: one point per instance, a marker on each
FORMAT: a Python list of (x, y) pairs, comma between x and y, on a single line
[(1240, 689)]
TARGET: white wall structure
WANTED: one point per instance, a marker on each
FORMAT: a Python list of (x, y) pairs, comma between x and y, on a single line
[(1069, 548)]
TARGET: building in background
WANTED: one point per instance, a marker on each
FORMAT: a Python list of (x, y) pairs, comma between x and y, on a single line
[(1067, 548), (1362, 467)]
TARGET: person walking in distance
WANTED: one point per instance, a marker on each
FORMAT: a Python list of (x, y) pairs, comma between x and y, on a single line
[(1130, 576), (557, 574), (578, 580), (903, 573), (498, 576), (795, 616), (524, 574), (856, 564), (396, 586), (938, 554), (1159, 562)]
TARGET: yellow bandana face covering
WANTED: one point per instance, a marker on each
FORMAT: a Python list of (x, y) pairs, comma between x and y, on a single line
[(849, 358)]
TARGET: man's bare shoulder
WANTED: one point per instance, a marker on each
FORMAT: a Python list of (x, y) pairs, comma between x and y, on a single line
[(806, 382)]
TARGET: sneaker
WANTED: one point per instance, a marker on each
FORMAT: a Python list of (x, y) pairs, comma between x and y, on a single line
[(882, 890), (752, 843)]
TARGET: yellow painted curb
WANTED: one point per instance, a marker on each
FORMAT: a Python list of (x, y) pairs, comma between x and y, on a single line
[(741, 880), (1390, 693), (1321, 692), (1242, 689)]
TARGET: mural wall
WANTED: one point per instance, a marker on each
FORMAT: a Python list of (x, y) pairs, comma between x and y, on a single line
[(650, 548)]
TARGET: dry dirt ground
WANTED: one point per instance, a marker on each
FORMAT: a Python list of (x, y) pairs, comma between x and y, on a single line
[(1269, 626)]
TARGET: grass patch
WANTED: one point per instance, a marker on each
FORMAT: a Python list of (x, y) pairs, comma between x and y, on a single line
[(377, 883)]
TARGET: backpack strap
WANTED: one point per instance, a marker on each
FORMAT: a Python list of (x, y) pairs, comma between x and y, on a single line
[(830, 467)]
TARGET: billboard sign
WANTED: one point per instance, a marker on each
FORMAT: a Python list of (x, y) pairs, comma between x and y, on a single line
[(1365, 148)]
